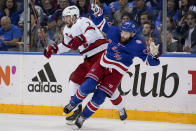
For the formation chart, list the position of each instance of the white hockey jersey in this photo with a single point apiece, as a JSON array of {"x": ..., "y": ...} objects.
[{"x": 95, "y": 40}]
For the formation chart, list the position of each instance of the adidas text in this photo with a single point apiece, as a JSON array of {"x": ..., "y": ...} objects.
[{"x": 48, "y": 87}]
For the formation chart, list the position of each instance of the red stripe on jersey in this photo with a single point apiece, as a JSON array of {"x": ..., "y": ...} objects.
[
  {"x": 99, "y": 12},
  {"x": 91, "y": 106},
  {"x": 94, "y": 45},
  {"x": 79, "y": 95},
  {"x": 89, "y": 28},
  {"x": 117, "y": 101},
  {"x": 92, "y": 76},
  {"x": 106, "y": 90},
  {"x": 100, "y": 25},
  {"x": 65, "y": 44},
  {"x": 113, "y": 63}
]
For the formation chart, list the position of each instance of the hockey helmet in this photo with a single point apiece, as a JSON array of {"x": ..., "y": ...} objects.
[
  {"x": 71, "y": 11},
  {"x": 129, "y": 26}
]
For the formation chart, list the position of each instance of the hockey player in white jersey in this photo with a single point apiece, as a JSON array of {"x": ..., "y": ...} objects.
[{"x": 81, "y": 33}]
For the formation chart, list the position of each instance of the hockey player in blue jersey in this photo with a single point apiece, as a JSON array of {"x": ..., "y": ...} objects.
[
  {"x": 107, "y": 73},
  {"x": 103, "y": 25}
]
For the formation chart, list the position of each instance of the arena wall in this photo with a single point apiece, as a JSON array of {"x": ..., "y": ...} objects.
[{"x": 163, "y": 93}]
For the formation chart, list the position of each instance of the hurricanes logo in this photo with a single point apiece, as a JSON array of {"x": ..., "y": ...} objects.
[{"x": 46, "y": 82}]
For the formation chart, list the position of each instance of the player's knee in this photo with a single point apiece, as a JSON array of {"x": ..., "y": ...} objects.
[
  {"x": 88, "y": 86},
  {"x": 99, "y": 97}
]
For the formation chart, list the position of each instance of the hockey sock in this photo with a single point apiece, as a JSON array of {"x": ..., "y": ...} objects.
[
  {"x": 73, "y": 87},
  {"x": 89, "y": 109},
  {"x": 76, "y": 108},
  {"x": 118, "y": 103},
  {"x": 116, "y": 100},
  {"x": 92, "y": 106},
  {"x": 86, "y": 88}
]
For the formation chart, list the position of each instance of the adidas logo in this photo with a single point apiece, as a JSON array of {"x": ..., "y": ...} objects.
[{"x": 46, "y": 82}]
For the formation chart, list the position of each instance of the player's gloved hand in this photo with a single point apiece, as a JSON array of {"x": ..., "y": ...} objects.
[
  {"x": 97, "y": 11},
  {"x": 52, "y": 49},
  {"x": 154, "y": 50},
  {"x": 76, "y": 42}
]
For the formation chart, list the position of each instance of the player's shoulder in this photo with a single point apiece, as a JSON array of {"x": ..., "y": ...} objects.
[
  {"x": 138, "y": 40},
  {"x": 83, "y": 20}
]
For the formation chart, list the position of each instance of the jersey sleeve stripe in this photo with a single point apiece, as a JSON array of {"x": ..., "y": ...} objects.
[
  {"x": 108, "y": 61},
  {"x": 89, "y": 28}
]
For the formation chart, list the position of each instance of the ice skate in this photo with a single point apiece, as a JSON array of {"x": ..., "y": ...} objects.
[
  {"x": 70, "y": 119},
  {"x": 122, "y": 114},
  {"x": 68, "y": 108},
  {"x": 79, "y": 122}
]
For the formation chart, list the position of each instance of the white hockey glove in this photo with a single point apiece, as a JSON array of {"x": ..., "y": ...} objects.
[
  {"x": 154, "y": 49},
  {"x": 97, "y": 11}
]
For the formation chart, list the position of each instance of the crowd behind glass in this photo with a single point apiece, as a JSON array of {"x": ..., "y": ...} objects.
[{"x": 47, "y": 25}]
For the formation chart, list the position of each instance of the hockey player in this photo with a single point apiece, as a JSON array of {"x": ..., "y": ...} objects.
[
  {"x": 81, "y": 33},
  {"x": 103, "y": 25},
  {"x": 108, "y": 71}
]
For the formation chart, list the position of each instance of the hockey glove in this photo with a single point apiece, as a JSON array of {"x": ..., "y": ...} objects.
[
  {"x": 97, "y": 11},
  {"x": 154, "y": 50},
  {"x": 77, "y": 41},
  {"x": 52, "y": 49}
]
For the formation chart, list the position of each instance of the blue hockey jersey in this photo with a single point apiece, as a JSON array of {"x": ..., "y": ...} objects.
[
  {"x": 120, "y": 56},
  {"x": 102, "y": 24}
]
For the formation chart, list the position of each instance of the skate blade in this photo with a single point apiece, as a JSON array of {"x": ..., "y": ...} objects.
[
  {"x": 123, "y": 122},
  {"x": 70, "y": 122},
  {"x": 74, "y": 127}
]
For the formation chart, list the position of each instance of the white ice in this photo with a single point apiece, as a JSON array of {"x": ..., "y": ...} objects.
[{"x": 17, "y": 122}]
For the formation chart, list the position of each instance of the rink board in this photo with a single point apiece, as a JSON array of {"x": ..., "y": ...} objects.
[{"x": 32, "y": 84}]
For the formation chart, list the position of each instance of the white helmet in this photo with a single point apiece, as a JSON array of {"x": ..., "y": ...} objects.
[{"x": 72, "y": 11}]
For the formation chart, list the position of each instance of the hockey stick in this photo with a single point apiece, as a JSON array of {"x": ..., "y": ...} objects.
[{"x": 36, "y": 19}]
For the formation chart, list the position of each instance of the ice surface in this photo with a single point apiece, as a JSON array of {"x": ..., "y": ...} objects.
[{"x": 18, "y": 122}]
